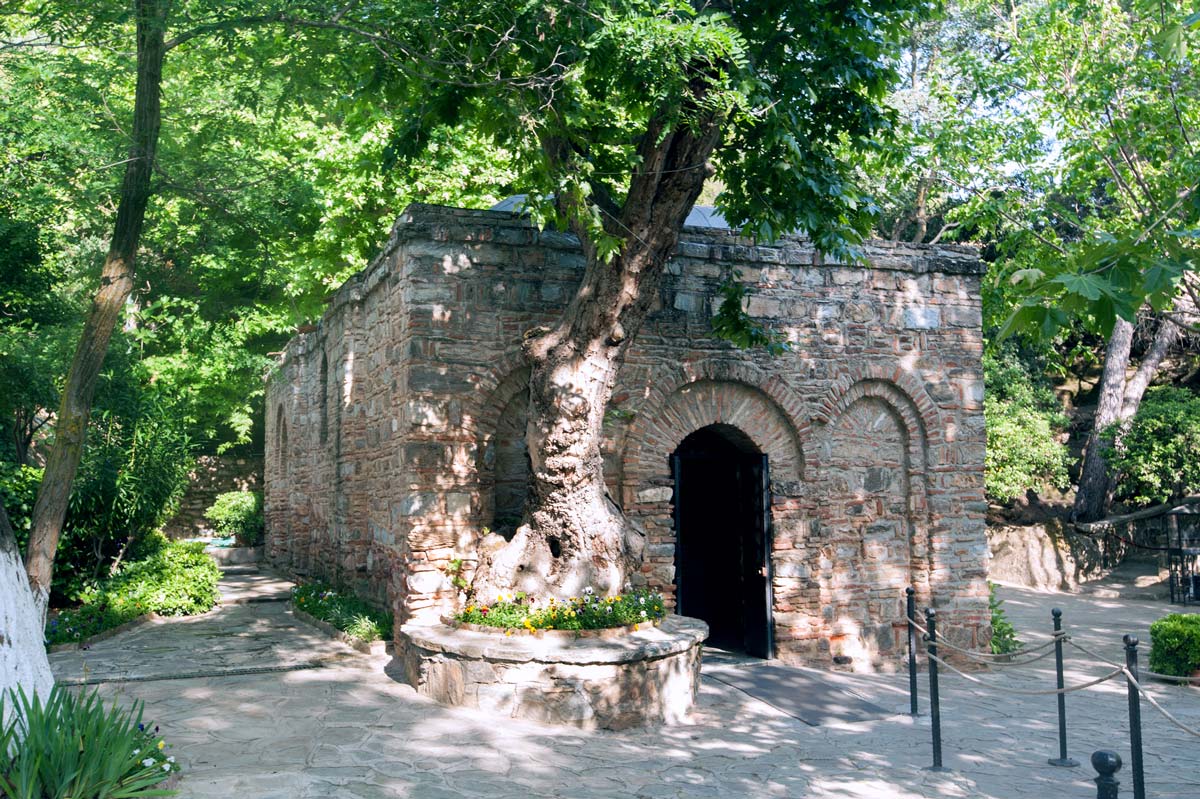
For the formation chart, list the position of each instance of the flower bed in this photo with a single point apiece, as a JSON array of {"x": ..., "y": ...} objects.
[
  {"x": 347, "y": 613},
  {"x": 581, "y": 613}
]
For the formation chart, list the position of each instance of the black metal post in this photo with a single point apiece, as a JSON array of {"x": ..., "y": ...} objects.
[
  {"x": 1107, "y": 764},
  {"x": 1062, "y": 759},
  {"x": 910, "y": 612},
  {"x": 1135, "y": 718},
  {"x": 935, "y": 709}
]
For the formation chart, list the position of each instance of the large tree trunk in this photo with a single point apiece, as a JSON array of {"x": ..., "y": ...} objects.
[
  {"x": 23, "y": 662},
  {"x": 1091, "y": 498},
  {"x": 574, "y": 535},
  {"x": 1120, "y": 396},
  {"x": 116, "y": 283}
]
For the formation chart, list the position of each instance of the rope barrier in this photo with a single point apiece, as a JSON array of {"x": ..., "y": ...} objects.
[
  {"x": 1154, "y": 703},
  {"x": 1022, "y": 692},
  {"x": 1172, "y": 677},
  {"x": 1006, "y": 659}
]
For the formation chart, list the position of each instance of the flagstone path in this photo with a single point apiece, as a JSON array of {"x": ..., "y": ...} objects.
[{"x": 330, "y": 723}]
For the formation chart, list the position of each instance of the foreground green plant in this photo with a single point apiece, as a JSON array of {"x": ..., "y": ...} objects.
[
  {"x": 348, "y": 613},
  {"x": 587, "y": 612},
  {"x": 1004, "y": 635},
  {"x": 1175, "y": 644},
  {"x": 174, "y": 579},
  {"x": 74, "y": 747}
]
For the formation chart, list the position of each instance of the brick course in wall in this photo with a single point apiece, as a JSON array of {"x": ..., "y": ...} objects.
[{"x": 394, "y": 429}]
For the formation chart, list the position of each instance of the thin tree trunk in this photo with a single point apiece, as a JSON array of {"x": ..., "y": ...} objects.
[
  {"x": 574, "y": 535},
  {"x": 1092, "y": 495},
  {"x": 116, "y": 283},
  {"x": 1164, "y": 338},
  {"x": 23, "y": 662}
]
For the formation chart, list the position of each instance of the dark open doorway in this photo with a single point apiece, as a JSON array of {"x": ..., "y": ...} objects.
[{"x": 723, "y": 541}]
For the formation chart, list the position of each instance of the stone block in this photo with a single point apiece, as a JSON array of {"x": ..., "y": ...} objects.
[
  {"x": 922, "y": 318},
  {"x": 655, "y": 494}
]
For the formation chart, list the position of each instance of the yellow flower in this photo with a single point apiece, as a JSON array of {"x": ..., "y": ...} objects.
[
  {"x": 508, "y": 632},
  {"x": 635, "y": 628},
  {"x": 161, "y": 744}
]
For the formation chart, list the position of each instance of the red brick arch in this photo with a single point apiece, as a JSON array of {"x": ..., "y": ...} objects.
[
  {"x": 698, "y": 394},
  {"x": 899, "y": 390},
  {"x": 910, "y": 404}
]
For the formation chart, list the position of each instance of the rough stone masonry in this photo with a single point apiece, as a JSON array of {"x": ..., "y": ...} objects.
[{"x": 394, "y": 429}]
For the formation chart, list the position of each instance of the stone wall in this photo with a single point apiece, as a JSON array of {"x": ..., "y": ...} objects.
[
  {"x": 393, "y": 430},
  {"x": 213, "y": 475}
]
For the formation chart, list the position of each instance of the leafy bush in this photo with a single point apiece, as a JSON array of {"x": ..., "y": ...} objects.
[
  {"x": 348, "y": 613},
  {"x": 1157, "y": 458},
  {"x": 173, "y": 579},
  {"x": 1175, "y": 644},
  {"x": 588, "y": 612},
  {"x": 1004, "y": 635},
  {"x": 73, "y": 746},
  {"x": 1023, "y": 421},
  {"x": 239, "y": 514},
  {"x": 18, "y": 490},
  {"x": 134, "y": 470}
]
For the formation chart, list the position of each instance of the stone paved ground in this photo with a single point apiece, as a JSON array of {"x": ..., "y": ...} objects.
[{"x": 350, "y": 730}]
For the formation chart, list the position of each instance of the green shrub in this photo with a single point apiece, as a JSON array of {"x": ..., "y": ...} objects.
[
  {"x": 174, "y": 579},
  {"x": 1004, "y": 635},
  {"x": 1157, "y": 460},
  {"x": 239, "y": 514},
  {"x": 132, "y": 473},
  {"x": 346, "y": 612},
  {"x": 74, "y": 746},
  {"x": 134, "y": 470},
  {"x": 18, "y": 491},
  {"x": 587, "y": 612},
  {"x": 1175, "y": 644},
  {"x": 1023, "y": 422}
]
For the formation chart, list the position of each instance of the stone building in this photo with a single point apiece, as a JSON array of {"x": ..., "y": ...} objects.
[{"x": 786, "y": 500}]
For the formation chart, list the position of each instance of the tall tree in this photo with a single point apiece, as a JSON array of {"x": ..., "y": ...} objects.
[
  {"x": 108, "y": 304},
  {"x": 620, "y": 110},
  {"x": 1113, "y": 84}
]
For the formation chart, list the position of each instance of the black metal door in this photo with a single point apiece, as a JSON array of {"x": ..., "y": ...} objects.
[
  {"x": 757, "y": 547},
  {"x": 722, "y": 521}
]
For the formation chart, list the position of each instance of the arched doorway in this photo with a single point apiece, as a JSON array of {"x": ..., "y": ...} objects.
[{"x": 723, "y": 538}]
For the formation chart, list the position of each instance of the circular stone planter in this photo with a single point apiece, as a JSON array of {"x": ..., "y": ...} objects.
[{"x": 610, "y": 681}]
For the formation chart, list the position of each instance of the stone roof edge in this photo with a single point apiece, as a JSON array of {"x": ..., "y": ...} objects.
[
  {"x": 420, "y": 220},
  {"x": 417, "y": 216}
]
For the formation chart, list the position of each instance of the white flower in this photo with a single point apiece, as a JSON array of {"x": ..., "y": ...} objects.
[
  {"x": 137, "y": 751},
  {"x": 171, "y": 759},
  {"x": 148, "y": 762},
  {"x": 588, "y": 590},
  {"x": 608, "y": 609},
  {"x": 641, "y": 600},
  {"x": 166, "y": 766},
  {"x": 628, "y": 587},
  {"x": 643, "y": 614}
]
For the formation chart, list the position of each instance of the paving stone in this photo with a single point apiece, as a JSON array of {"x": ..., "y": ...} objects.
[{"x": 349, "y": 730}]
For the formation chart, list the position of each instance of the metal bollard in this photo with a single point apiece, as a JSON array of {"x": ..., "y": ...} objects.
[
  {"x": 910, "y": 605},
  {"x": 1062, "y": 759},
  {"x": 1135, "y": 719},
  {"x": 1107, "y": 764},
  {"x": 935, "y": 708}
]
